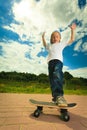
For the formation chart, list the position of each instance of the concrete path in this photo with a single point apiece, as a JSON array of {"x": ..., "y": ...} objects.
[{"x": 16, "y": 113}]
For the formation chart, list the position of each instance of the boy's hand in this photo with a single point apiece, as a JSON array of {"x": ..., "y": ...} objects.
[
  {"x": 73, "y": 26},
  {"x": 43, "y": 35},
  {"x": 43, "y": 39}
]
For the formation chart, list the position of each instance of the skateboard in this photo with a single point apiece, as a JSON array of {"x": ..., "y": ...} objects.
[{"x": 63, "y": 110}]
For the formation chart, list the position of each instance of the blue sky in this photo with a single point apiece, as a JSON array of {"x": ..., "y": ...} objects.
[{"x": 22, "y": 23}]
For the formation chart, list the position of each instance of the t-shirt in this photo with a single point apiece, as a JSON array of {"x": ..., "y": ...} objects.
[{"x": 55, "y": 51}]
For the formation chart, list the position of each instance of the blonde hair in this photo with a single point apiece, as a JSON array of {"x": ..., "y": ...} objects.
[{"x": 53, "y": 34}]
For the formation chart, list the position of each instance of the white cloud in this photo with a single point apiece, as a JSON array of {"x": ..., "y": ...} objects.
[
  {"x": 36, "y": 17},
  {"x": 81, "y": 47},
  {"x": 43, "y": 15},
  {"x": 81, "y": 72},
  {"x": 78, "y": 46},
  {"x": 84, "y": 47},
  {"x": 14, "y": 59}
]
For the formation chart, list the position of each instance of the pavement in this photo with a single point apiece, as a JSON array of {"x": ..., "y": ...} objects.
[{"x": 16, "y": 113}]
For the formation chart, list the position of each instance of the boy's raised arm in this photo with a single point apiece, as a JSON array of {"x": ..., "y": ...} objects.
[
  {"x": 72, "y": 27},
  {"x": 43, "y": 40}
]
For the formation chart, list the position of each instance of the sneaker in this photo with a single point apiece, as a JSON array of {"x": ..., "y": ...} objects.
[
  {"x": 61, "y": 102},
  {"x": 54, "y": 99}
]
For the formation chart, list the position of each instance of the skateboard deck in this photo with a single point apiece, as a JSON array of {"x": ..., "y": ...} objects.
[{"x": 51, "y": 104}]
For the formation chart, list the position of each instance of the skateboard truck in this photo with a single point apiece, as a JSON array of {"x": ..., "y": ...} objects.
[
  {"x": 38, "y": 111},
  {"x": 64, "y": 113}
]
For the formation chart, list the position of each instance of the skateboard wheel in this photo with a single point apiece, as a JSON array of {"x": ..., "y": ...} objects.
[
  {"x": 36, "y": 113},
  {"x": 64, "y": 115},
  {"x": 66, "y": 118}
]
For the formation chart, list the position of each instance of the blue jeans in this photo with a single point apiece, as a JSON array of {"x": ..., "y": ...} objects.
[{"x": 56, "y": 77}]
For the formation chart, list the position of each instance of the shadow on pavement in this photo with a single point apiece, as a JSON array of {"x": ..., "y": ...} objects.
[{"x": 76, "y": 122}]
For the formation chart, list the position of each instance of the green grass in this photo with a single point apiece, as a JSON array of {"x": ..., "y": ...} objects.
[
  {"x": 76, "y": 92},
  {"x": 23, "y": 87},
  {"x": 34, "y": 87}
]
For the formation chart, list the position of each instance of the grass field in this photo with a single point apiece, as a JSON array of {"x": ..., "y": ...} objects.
[{"x": 34, "y": 87}]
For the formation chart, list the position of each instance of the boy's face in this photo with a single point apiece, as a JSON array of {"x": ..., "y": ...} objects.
[{"x": 55, "y": 37}]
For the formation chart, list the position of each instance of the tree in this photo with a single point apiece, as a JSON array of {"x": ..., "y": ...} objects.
[
  {"x": 67, "y": 76},
  {"x": 43, "y": 78}
]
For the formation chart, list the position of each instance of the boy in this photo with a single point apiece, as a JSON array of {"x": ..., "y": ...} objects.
[{"x": 55, "y": 64}]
